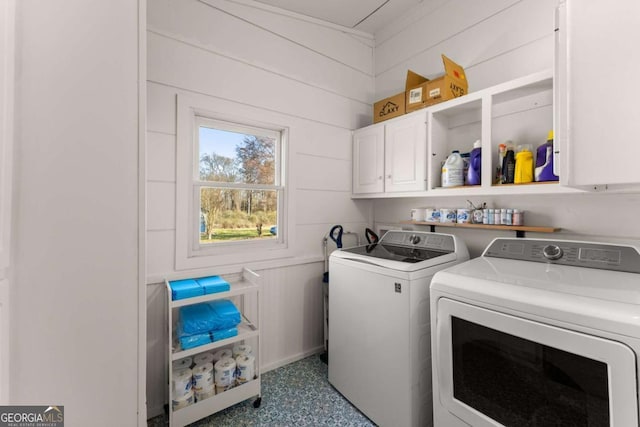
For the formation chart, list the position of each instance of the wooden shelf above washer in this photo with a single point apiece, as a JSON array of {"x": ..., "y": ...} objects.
[{"x": 519, "y": 229}]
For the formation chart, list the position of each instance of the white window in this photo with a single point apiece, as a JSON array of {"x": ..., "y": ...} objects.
[{"x": 230, "y": 189}]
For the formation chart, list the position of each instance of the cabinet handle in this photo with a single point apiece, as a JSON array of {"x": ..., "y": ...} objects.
[
  {"x": 388, "y": 176},
  {"x": 380, "y": 177}
]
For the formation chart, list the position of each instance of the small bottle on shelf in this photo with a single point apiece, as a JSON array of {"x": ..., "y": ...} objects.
[
  {"x": 508, "y": 165},
  {"x": 502, "y": 150},
  {"x": 518, "y": 217}
]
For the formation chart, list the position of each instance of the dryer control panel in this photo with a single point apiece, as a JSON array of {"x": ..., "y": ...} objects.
[{"x": 602, "y": 256}]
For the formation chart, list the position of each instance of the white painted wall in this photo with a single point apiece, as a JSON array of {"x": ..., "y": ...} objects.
[
  {"x": 496, "y": 41},
  {"x": 251, "y": 63},
  {"x": 74, "y": 294}
]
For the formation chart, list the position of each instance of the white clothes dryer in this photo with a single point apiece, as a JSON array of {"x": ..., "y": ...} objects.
[
  {"x": 379, "y": 343},
  {"x": 538, "y": 333}
]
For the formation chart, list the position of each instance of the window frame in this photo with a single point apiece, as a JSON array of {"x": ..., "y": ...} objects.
[
  {"x": 189, "y": 252},
  {"x": 198, "y": 185}
]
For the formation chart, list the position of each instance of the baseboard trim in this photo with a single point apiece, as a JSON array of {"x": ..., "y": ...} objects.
[
  {"x": 292, "y": 359},
  {"x": 155, "y": 411}
]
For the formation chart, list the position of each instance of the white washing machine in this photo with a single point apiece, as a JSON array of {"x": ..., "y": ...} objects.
[
  {"x": 379, "y": 333},
  {"x": 538, "y": 333}
]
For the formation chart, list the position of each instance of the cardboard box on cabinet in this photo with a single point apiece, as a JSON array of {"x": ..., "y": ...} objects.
[
  {"x": 448, "y": 86},
  {"x": 388, "y": 108},
  {"x": 395, "y": 105}
]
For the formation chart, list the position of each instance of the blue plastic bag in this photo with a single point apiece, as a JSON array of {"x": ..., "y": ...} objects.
[{"x": 209, "y": 316}]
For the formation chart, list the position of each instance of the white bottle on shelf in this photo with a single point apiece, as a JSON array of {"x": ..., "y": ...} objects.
[{"x": 453, "y": 170}]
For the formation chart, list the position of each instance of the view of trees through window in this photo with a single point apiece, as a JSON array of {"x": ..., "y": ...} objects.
[{"x": 238, "y": 190}]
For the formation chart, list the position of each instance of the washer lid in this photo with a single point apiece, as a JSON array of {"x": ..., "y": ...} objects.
[
  {"x": 396, "y": 253},
  {"x": 408, "y": 251},
  {"x": 408, "y": 246}
]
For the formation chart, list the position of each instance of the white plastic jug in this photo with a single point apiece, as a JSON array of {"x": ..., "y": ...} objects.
[{"x": 453, "y": 170}]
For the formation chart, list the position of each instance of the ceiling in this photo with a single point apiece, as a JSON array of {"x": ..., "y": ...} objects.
[{"x": 363, "y": 15}]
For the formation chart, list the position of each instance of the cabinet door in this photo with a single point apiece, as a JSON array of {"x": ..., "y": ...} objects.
[
  {"x": 368, "y": 160},
  {"x": 597, "y": 71},
  {"x": 406, "y": 154}
]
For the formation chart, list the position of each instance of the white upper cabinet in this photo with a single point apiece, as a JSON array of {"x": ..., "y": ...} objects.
[
  {"x": 368, "y": 160},
  {"x": 405, "y": 154},
  {"x": 390, "y": 157},
  {"x": 598, "y": 96}
]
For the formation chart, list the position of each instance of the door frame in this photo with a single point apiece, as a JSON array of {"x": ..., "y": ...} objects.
[
  {"x": 142, "y": 215},
  {"x": 7, "y": 97}
]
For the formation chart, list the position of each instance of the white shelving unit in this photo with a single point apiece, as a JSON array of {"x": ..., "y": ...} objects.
[
  {"x": 245, "y": 293},
  {"x": 520, "y": 110}
]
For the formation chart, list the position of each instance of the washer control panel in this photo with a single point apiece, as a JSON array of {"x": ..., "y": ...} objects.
[
  {"x": 602, "y": 256},
  {"x": 419, "y": 240}
]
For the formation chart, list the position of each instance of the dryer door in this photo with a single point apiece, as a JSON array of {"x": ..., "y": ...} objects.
[{"x": 496, "y": 369}]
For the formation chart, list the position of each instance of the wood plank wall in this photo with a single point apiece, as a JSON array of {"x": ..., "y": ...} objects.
[
  {"x": 496, "y": 41},
  {"x": 256, "y": 64}
]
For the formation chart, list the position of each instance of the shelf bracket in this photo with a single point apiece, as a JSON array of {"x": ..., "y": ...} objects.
[
  {"x": 433, "y": 228},
  {"x": 520, "y": 233}
]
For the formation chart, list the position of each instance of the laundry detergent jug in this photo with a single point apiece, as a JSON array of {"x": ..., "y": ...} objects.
[
  {"x": 544, "y": 161},
  {"x": 524, "y": 166},
  {"x": 453, "y": 170},
  {"x": 475, "y": 164}
]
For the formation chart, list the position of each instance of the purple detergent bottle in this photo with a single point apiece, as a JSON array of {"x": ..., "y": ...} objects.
[
  {"x": 475, "y": 163},
  {"x": 544, "y": 161}
]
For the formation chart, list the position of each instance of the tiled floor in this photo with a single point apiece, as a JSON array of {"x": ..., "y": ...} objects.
[{"x": 298, "y": 394}]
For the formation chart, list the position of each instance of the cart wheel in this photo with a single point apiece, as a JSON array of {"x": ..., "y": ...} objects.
[{"x": 257, "y": 402}]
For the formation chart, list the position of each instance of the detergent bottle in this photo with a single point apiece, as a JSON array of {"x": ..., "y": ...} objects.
[
  {"x": 508, "y": 165},
  {"x": 502, "y": 151},
  {"x": 544, "y": 161},
  {"x": 524, "y": 165},
  {"x": 453, "y": 170},
  {"x": 475, "y": 164}
]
